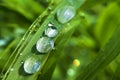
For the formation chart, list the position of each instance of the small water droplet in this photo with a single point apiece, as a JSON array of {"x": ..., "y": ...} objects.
[
  {"x": 65, "y": 14},
  {"x": 44, "y": 45},
  {"x": 34, "y": 26},
  {"x": 2, "y": 42},
  {"x": 31, "y": 65},
  {"x": 37, "y": 27},
  {"x": 50, "y": 24},
  {"x": 21, "y": 54},
  {"x": 50, "y": 8},
  {"x": 50, "y": 32},
  {"x": 11, "y": 69},
  {"x": 23, "y": 39},
  {"x": 21, "y": 62},
  {"x": 68, "y": 24}
]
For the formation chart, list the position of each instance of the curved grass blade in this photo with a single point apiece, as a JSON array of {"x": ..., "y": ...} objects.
[
  {"x": 105, "y": 56},
  {"x": 26, "y": 48}
]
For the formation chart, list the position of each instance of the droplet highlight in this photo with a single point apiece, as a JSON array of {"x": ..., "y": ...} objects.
[
  {"x": 44, "y": 45},
  {"x": 50, "y": 24},
  {"x": 65, "y": 14},
  {"x": 50, "y": 32},
  {"x": 31, "y": 65},
  {"x": 21, "y": 54},
  {"x": 11, "y": 69}
]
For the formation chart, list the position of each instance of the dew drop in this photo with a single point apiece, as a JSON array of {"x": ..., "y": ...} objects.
[
  {"x": 21, "y": 62},
  {"x": 50, "y": 24},
  {"x": 23, "y": 38},
  {"x": 11, "y": 69},
  {"x": 65, "y": 14},
  {"x": 44, "y": 45},
  {"x": 50, "y": 32},
  {"x": 2, "y": 42},
  {"x": 21, "y": 54},
  {"x": 31, "y": 65}
]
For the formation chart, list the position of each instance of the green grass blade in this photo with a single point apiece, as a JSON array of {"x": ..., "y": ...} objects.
[
  {"x": 107, "y": 23},
  {"x": 106, "y": 55},
  {"x": 26, "y": 47},
  {"x": 116, "y": 75}
]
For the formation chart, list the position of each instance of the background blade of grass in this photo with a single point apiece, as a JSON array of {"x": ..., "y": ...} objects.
[
  {"x": 92, "y": 3},
  {"x": 105, "y": 56},
  {"x": 116, "y": 75},
  {"x": 107, "y": 23}
]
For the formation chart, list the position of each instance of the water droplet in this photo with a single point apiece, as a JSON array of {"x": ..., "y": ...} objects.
[
  {"x": 23, "y": 38},
  {"x": 50, "y": 8},
  {"x": 2, "y": 42},
  {"x": 50, "y": 24},
  {"x": 68, "y": 24},
  {"x": 11, "y": 69},
  {"x": 65, "y": 14},
  {"x": 21, "y": 54},
  {"x": 21, "y": 62},
  {"x": 44, "y": 45},
  {"x": 50, "y": 32},
  {"x": 31, "y": 65}
]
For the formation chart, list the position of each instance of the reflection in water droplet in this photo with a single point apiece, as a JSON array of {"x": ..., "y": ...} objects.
[
  {"x": 31, "y": 65},
  {"x": 65, "y": 14},
  {"x": 50, "y": 24},
  {"x": 2, "y": 42},
  {"x": 50, "y": 8},
  {"x": 44, "y": 45},
  {"x": 51, "y": 32}
]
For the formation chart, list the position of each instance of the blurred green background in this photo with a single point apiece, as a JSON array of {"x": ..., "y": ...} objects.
[{"x": 98, "y": 21}]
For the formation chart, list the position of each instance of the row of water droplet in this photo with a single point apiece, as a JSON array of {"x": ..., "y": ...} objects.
[{"x": 46, "y": 43}]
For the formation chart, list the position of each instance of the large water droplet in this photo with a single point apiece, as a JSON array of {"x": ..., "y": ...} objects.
[
  {"x": 31, "y": 65},
  {"x": 65, "y": 14},
  {"x": 44, "y": 45},
  {"x": 50, "y": 32}
]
